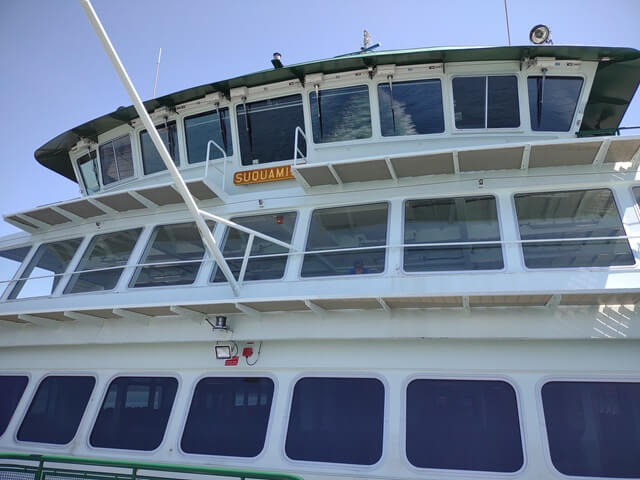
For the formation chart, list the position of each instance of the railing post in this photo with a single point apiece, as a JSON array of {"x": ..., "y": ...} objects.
[{"x": 39, "y": 473}]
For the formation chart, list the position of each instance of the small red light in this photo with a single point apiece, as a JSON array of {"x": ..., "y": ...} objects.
[
  {"x": 279, "y": 220},
  {"x": 247, "y": 352},
  {"x": 232, "y": 362}
]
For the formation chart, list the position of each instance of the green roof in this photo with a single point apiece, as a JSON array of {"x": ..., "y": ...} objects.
[{"x": 614, "y": 85}]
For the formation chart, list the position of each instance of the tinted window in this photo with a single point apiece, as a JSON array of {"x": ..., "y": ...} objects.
[
  {"x": 448, "y": 221},
  {"x": 350, "y": 232},
  {"x": 593, "y": 428},
  {"x": 201, "y": 128},
  {"x": 42, "y": 275},
  {"x": 336, "y": 420},
  {"x": 134, "y": 413},
  {"x": 340, "y": 114},
  {"x": 116, "y": 161},
  {"x": 562, "y": 216},
  {"x": 463, "y": 425},
  {"x": 181, "y": 244},
  {"x": 89, "y": 172},
  {"x": 266, "y": 129},
  {"x": 411, "y": 108},
  {"x": 10, "y": 261},
  {"x": 267, "y": 260},
  {"x": 151, "y": 160},
  {"x": 636, "y": 193},
  {"x": 228, "y": 416},
  {"x": 486, "y": 102},
  {"x": 56, "y": 410},
  {"x": 552, "y": 102},
  {"x": 11, "y": 390},
  {"x": 103, "y": 254}
]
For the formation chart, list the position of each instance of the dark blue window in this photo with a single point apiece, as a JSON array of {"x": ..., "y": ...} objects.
[
  {"x": 151, "y": 159},
  {"x": 593, "y": 428},
  {"x": 134, "y": 413},
  {"x": 552, "y": 102},
  {"x": 463, "y": 425},
  {"x": 56, "y": 410},
  {"x": 411, "y": 108},
  {"x": 339, "y": 114},
  {"x": 201, "y": 128},
  {"x": 336, "y": 420},
  {"x": 11, "y": 390},
  {"x": 228, "y": 416},
  {"x": 486, "y": 102}
]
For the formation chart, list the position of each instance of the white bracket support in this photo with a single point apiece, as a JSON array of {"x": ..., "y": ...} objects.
[
  {"x": 466, "y": 305},
  {"x": 335, "y": 174},
  {"x": 392, "y": 170},
  {"x": 526, "y": 154},
  {"x": 40, "y": 321},
  {"x": 246, "y": 309},
  {"x": 84, "y": 318},
  {"x": 553, "y": 302},
  {"x": 318, "y": 310},
  {"x": 385, "y": 306},
  {"x": 456, "y": 162},
  {"x": 602, "y": 153},
  {"x": 131, "y": 315},
  {"x": 189, "y": 314}
]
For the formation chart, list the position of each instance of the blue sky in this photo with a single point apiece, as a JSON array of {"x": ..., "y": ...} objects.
[{"x": 54, "y": 74}]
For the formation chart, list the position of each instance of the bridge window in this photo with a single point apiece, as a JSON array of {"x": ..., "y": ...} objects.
[
  {"x": 336, "y": 420},
  {"x": 56, "y": 410},
  {"x": 228, "y": 416},
  {"x": 339, "y": 114},
  {"x": 593, "y": 428},
  {"x": 151, "y": 160},
  {"x": 558, "y": 227},
  {"x": 411, "y": 108},
  {"x": 116, "y": 161},
  {"x": 442, "y": 224},
  {"x": 12, "y": 388},
  {"x": 552, "y": 102},
  {"x": 201, "y": 128},
  {"x": 463, "y": 425},
  {"x": 104, "y": 254},
  {"x": 267, "y": 260},
  {"x": 10, "y": 261},
  {"x": 266, "y": 129},
  {"x": 88, "y": 166},
  {"x": 174, "y": 254},
  {"x": 134, "y": 413},
  {"x": 346, "y": 239},
  {"x": 486, "y": 102},
  {"x": 44, "y": 272}
]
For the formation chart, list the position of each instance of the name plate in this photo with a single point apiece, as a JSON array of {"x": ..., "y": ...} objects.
[{"x": 263, "y": 175}]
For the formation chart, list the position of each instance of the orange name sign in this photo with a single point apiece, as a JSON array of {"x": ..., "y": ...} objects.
[{"x": 262, "y": 175}]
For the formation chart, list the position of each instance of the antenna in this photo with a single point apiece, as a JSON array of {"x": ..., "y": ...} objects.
[
  {"x": 366, "y": 41},
  {"x": 506, "y": 15},
  {"x": 155, "y": 81}
]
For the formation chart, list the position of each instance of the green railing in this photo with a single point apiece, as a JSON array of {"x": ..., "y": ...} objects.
[{"x": 35, "y": 467}]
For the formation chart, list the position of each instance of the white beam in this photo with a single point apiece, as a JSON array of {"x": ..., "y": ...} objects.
[
  {"x": 40, "y": 321},
  {"x": 554, "y": 301},
  {"x": 188, "y": 313},
  {"x": 248, "y": 310},
  {"x": 465, "y": 303},
  {"x": 84, "y": 317},
  {"x": 131, "y": 315},
  {"x": 318, "y": 310},
  {"x": 385, "y": 306}
]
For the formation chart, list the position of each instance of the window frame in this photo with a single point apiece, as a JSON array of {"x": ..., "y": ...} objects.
[
  {"x": 452, "y": 110},
  {"x": 340, "y": 467},
  {"x": 35, "y": 386},
  {"x": 7, "y": 288},
  {"x": 462, "y": 377},
  {"x": 178, "y": 148},
  {"x": 189, "y": 113},
  {"x": 184, "y": 415},
  {"x": 134, "y": 160},
  {"x": 20, "y": 409},
  {"x": 501, "y": 241},
  {"x": 585, "y": 91},
  {"x": 533, "y": 190},
  {"x": 78, "y": 171}
]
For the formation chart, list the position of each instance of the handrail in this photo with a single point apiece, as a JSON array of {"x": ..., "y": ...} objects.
[
  {"x": 296, "y": 150},
  {"x": 207, "y": 160},
  {"x": 135, "y": 466}
]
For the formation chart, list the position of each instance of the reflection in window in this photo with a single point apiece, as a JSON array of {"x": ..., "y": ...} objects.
[
  {"x": 56, "y": 410},
  {"x": 463, "y": 425},
  {"x": 181, "y": 244},
  {"x": 486, "y": 102},
  {"x": 336, "y": 420},
  {"x": 340, "y": 114},
  {"x": 567, "y": 215},
  {"x": 267, "y": 260},
  {"x": 201, "y": 128},
  {"x": 11, "y": 390},
  {"x": 552, "y": 102},
  {"x": 44, "y": 272},
  {"x": 103, "y": 254},
  {"x": 452, "y": 220},
  {"x": 354, "y": 230},
  {"x": 10, "y": 261},
  {"x": 411, "y": 108},
  {"x": 266, "y": 129},
  {"x": 135, "y": 413},
  {"x": 151, "y": 160},
  {"x": 593, "y": 428},
  {"x": 228, "y": 416},
  {"x": 88, "y": 166},
  {"x": 116, "y": 161}
]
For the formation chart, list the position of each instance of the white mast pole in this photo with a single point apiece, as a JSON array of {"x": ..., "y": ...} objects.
[
  {"x": 205, "y": 233},
  {"x": 155, "y": 80}
]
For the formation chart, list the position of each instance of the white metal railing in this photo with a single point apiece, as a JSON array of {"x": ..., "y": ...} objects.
[
  {"x": 207, "y": 159},
  {"x": 296, "y": 149}
]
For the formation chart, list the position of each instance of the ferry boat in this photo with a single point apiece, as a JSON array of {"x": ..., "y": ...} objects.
[{"x": 416, "y": 264}]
